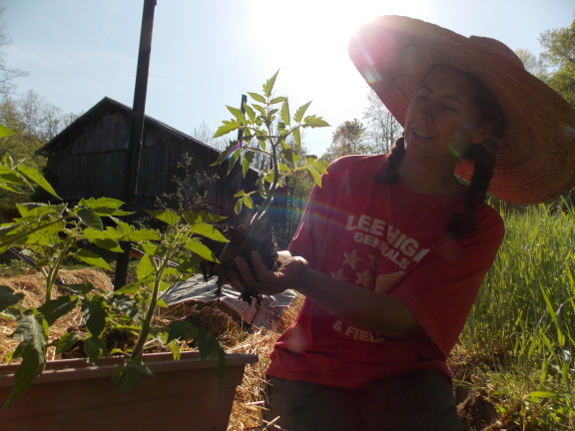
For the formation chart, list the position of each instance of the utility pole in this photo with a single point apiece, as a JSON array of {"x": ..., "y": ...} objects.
[{"x": 136, "y": 132}]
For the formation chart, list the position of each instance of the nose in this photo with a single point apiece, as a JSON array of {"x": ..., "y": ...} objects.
[{"x": 425, "y": 112}]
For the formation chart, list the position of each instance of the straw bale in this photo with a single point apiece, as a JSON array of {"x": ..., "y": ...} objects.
[
  {"x": 33, "y": 286},
  {"x": 250, "y": 403}
]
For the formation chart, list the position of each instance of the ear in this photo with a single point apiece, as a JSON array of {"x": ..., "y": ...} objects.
[{"x": 482, "y": 133}]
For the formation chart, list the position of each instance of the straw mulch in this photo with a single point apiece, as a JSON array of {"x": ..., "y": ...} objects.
[
  {"x": 33, "y": 286},
  {"x": 249, "y": 407}
]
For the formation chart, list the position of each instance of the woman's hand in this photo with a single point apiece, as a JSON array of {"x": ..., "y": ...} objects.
[{"x": 291, "y": 273}]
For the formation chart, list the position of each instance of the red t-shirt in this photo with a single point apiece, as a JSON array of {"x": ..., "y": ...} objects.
[{"x": 387, "y": 238}]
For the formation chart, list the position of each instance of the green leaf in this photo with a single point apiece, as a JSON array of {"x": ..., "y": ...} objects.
[
  {"x": 182, "y": 330},
  {"x": 238, "y": 206},
  {"x": 128, "y": 288},
  {"x": 207, "y": 343},
  {"x": 108, "y": 244},
  {"x": 247, "y": 162},
  {"x": 167, "y": 216},
  {"x": 91, "y": 258},
  {"x": 315, "y": 176},
  {"x": 248, "y": 201},
  {"x": 131, "y": 378},
  {"x": 66, "y": 342},
  {"x": 56, "y": 308},
  {"x": 192, "y": 217},
  {"x": 201, "y": 250},
  {"x": 227, "y": 127},
  {"x": 36, "y": 176},
  {"x": 118, "y": 372},
  {"x": 284, "y": 113},
  {"x": 104, "y": 206},
  {"x": 297, "y": 136},
  {"x": 321, "y": 166},
  {"x": 5, "y": 131},
  {"x": 290, "y": 155},
  {"x": 8, "y": 297},
  {"x": 82, "y": 288},
  {"x": 94, "y": 348},
  {"x": 125, "y": 304},
  {"x": 233, "y": 159},
  {"x": 144, "y": 268},
  {"x": 238, "y": 114},
  {"x": 94, "y": 315},
  {"x": 32, "y": 350},
  {"x": 300, "y": 112},
  {"x": 208, "y": 231},
  {"x": 9, "y": 176},
  {"x": 140, "y": 235},
  {"x": 161, "y": 303},
  {"x": 90, "y": 218},
  {"x": 251, "y": 113},
  {"x": 257, "y": 97},
  {"x": 314, "y": 121},
  {"x": 278, "y": 100},
  {"x": 268, "y": 86}
]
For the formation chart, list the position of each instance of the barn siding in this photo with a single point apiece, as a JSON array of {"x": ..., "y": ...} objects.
[{"x": 89, "y": 160}]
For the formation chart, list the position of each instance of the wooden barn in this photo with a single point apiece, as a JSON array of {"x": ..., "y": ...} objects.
[{"x": 88, "y": 159}]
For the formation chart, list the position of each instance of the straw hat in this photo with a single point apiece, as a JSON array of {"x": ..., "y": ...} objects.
[{"x": 536, "y": 158}]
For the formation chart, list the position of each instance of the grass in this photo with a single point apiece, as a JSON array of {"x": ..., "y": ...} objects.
[{"x": 525, "y": 312}]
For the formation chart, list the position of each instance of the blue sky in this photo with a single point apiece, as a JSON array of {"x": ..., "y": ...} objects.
[{"x": 206, "y": 53}]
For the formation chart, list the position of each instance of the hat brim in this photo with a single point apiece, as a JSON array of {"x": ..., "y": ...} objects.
[{"x": 536, "y": 158}]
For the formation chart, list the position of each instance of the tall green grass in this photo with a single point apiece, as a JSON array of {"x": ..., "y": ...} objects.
[{"x": 526, "y": 310}]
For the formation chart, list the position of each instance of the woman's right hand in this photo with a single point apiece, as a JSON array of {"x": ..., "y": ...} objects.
[{"x": 291, "y": 273}]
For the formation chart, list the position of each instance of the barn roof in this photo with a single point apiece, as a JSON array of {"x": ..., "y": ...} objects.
[{"x": 98, "y": 109}]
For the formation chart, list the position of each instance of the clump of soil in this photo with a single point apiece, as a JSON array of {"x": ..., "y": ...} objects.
[{"x": 258, "y": 236}]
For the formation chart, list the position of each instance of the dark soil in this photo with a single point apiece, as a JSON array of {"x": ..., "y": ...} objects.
[{"x": 258, "y": 236}]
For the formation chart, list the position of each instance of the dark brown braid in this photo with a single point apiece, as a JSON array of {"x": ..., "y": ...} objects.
[
  {"x": 483, "y": 155},
  {"x": 389, "y": 174}
]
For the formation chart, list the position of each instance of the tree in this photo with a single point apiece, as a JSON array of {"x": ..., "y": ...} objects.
[
  {"x": 383, "y": 129},
  {"x": 7, "y": 74},
  {"x": 559, "y": 57},
  {"x": 34, "y": 122},
  {"x": 206, "y": 135},
  {"x": 534, "y": 65},
  {"x": 348, "y": 138}
]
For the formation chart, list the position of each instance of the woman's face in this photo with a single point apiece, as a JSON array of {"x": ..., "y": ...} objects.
[{"x": 443, "y": 118}]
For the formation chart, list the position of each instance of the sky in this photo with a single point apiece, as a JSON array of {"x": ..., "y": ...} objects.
[{"x": 207, "y": 53}]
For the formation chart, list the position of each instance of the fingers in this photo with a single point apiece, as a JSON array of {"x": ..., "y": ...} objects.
[{"x": 244, "y": 270}]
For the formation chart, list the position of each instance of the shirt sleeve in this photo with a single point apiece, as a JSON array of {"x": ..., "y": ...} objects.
[{"x": 441, "y": 290}]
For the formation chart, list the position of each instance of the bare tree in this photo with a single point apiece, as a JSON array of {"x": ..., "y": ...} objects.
[
  {"x": 206, "y": 135},
  {"x": 7, "y": 74},
  {"x": 382, "y": 128}
]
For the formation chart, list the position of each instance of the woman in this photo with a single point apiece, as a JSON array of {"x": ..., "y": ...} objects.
[{"x": 392, "y": 249}]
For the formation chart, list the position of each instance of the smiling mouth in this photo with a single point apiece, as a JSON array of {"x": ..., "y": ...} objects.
[{"x": 420, "y": 134}]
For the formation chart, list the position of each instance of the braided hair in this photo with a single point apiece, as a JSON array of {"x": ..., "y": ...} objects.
[{"x": 483, "y": 156}]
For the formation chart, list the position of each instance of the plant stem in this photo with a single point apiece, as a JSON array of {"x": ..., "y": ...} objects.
[
  {"x": 53, "y": 273},
  {"x": 146, "y": 326}
]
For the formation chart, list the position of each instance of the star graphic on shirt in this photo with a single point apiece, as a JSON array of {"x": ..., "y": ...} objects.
[
  {"x": 364, "y": 278},
  {"x": 339, "y": 275},
  {"x": 351, "y": 259}
]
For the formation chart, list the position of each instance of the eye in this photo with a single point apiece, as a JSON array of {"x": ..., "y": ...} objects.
[{"x": 449, "y": 108}]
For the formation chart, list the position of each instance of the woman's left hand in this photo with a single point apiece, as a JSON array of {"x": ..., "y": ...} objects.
[{"x": 291, "y": 273}]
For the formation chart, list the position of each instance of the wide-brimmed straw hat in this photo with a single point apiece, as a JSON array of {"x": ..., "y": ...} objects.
[{"x": 536, "y": 158}]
